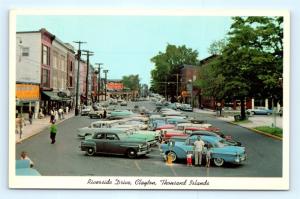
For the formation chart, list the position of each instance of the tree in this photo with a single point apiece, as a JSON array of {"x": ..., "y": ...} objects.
[
  {"x": 167, "y": 65},
  {"x": 132, "y": 82},
  {"x": 250, "y": 62}
]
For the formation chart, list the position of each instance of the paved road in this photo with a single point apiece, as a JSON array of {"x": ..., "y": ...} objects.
[{"x": 64, "y": 158}]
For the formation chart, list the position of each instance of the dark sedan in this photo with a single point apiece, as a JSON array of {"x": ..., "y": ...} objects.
[{"x": 111, "y": 141}]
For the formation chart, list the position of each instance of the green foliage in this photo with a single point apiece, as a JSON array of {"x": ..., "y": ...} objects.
[
  {"x": 249, "y": 61},
  {"x": 270, "y": 130},
  {"x": 132, "y": 82},
  {"x": 167, "y": 65}
]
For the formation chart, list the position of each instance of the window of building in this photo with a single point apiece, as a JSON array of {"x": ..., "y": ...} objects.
[
  {"x": 45, "y": 78},
  {"x": 71, "y": 66},
  {"x": 25, "y": 51},
  {"x": 45, "y": 55},
  {"x": 71, "y": 81}
]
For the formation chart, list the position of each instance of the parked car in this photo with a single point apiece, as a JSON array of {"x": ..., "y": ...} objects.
[
  {"x": 112, "y": 141},
  {"x": 85, "y": 110},
  {"x": 95, "y": 126},
  {"x": 220, "y": 152},
  {"x": 99, "y": 113},
  {"x": 123, "y": 103},
  {"x": 259, "y": 111},
  {"x": 186, "y": 107},
  {"x": 23, "y": 169}
]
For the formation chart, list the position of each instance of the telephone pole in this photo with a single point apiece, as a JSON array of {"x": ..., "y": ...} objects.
[
  {"x": 88, "y": 54},
  {"x": 77, "y": 83},
  {"x": 105, "y": 72},
  {"x": 99, "y": 79}
]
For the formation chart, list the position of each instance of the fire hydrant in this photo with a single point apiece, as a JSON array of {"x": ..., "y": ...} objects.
[
  {"x": 169, "y": 158},
  {"x": 189, "y": 159}
]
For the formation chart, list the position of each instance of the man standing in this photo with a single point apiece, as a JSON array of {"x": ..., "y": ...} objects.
[
  {"x": 199, "y": 145},
  {"x": 53, "y": 131},
  {"x": 30, "y": 116}
]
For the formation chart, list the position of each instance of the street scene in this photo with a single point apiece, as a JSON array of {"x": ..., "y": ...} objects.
[{"x": 149, "y": 104}]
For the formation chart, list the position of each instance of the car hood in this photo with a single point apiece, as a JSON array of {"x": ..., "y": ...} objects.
[{"x": 141, "y": 137}]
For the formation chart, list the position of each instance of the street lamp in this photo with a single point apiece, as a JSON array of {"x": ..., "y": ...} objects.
[
  {"x": 105, "y": 72},
  {"x": 99, "y": 79}
]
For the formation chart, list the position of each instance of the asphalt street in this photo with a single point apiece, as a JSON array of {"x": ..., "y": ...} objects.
[{"x": 64, "y": 158}]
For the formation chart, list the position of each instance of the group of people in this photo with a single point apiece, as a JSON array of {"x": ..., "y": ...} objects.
[
  {"x": 59, "y": 114},
  {"x": 199, "y": 150}
]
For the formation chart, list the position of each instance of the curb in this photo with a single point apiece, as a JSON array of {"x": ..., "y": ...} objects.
[
  {"x": 20, "y": 141},
  {"x": 257, "y": 131}
]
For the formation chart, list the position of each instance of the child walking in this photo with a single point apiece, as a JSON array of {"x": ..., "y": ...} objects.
[
  {"x": 208, "y": 157},
  {"x": 53, "y": 131}
]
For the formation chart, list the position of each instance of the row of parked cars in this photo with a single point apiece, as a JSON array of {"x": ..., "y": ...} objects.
[{"x": 134, "y": 135}]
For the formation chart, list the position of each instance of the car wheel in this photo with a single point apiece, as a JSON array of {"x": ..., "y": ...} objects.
[
  {"x": 269, "y": 113},
  {"x": 218, "y": 162},
  {"x": 131, "y": 153},
  {"x": 173, "y": 156},
  {"x": 90, "y": 151},
  {"x": 100, "y": 116}
]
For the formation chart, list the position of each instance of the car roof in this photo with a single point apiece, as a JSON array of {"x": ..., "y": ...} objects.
[{"x": 110, "y": 130}]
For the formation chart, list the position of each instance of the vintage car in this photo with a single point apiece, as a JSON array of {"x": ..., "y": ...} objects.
[
  {"x": 138, "y": 124},
  {"x": 97, "y": 114},
  {"x": 259, "y": 111},
  {"x": 94, "y": 126},
  {"x": 176, "y": 120},
  {"x": 167, "y": 134},
  {"x": 85, "y": 110},
  {"x": 221, "y": 152},
  {"x": 23, "y": 169},
  {"x": 123, "y": 103},
  {"x": 112, "y": 141},
  {"x": 121, "y": 113},
  {"x": 186, "y": 107}
]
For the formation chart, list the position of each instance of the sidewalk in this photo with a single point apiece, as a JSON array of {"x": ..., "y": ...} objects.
[
  {"x": 37, "y": 126},
  {"x": 254, "y": 121}
]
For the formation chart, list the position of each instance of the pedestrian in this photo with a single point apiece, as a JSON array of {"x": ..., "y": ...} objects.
[
  {"x": 55, "y": 115},
  {"x": 104, "y": 113},
  {"x": 67, "y": 110},
  {"x": 53, "y": 131},
  {"x": 24, "y": 156},
  {"x": 208, "y": 156},
  {"x": 30, "y": 116},
  {"x": 198, "y": 148},
  {"x": 60, "y": 113}
]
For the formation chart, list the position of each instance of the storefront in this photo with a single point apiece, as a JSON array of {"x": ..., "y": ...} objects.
[
  {"x": 54, "y": 100},
  {"x": 27, "y": 98}
]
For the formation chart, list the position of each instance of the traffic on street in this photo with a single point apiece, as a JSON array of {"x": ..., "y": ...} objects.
[{"x": 120, "y": 145}]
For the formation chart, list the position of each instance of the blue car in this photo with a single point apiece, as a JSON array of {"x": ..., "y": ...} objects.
[
  {"x": 259, "y": 111},
  {"x": 23, "y": 169},
  {"x": 221, "y": 151}
]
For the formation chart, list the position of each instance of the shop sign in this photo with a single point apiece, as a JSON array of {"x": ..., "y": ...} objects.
[{"x": 27, "y": 92}]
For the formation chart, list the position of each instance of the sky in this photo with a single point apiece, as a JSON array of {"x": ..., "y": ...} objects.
[{"x": 125, "y": 44}]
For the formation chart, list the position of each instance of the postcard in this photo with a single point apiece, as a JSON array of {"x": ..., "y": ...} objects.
[{"x": 149, "y": 99}]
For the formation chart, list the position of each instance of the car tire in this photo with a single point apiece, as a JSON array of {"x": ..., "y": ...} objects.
[
  {"x": 269, "y": 113},
  {"x": 90, "y": 151},
  {"x": 173, "y": 154},
  {"x": 218, "y": 162},
  {"x": 131, "y": 153}
]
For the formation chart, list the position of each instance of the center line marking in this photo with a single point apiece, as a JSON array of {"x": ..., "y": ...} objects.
[{"x": 137, "y": 165}]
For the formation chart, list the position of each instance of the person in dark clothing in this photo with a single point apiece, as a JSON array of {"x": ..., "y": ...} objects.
[
  {"x": 30, "y": 116},
  {"x": 53, "y": 131},
  {"x": 104, "y": 113}
]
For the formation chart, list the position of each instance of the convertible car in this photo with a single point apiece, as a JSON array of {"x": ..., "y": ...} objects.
[{"x": 221, "y": 152}]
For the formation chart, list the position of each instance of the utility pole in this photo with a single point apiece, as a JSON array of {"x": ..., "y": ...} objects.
[
  {"x": 99, "y": 79},
  {"x": 88, "y": 54},
  {"x": 77, "y": 83},
  {"x": 105, "y": 72}
]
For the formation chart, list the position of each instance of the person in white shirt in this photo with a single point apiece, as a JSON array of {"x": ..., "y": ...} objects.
[
  {"x": 198, "y": 148},
  {"x": 25, "y": 157}
]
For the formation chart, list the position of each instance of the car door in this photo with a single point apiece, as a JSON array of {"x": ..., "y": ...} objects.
[
  {"x": 112, "y": 144},
  {"x": 100, "y": 140}
]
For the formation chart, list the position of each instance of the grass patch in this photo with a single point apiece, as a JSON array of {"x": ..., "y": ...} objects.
[{"x": 270, "y": 130}]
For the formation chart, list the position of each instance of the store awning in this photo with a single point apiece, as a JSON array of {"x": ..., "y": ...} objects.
[{"x": 54, "y": 96}]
